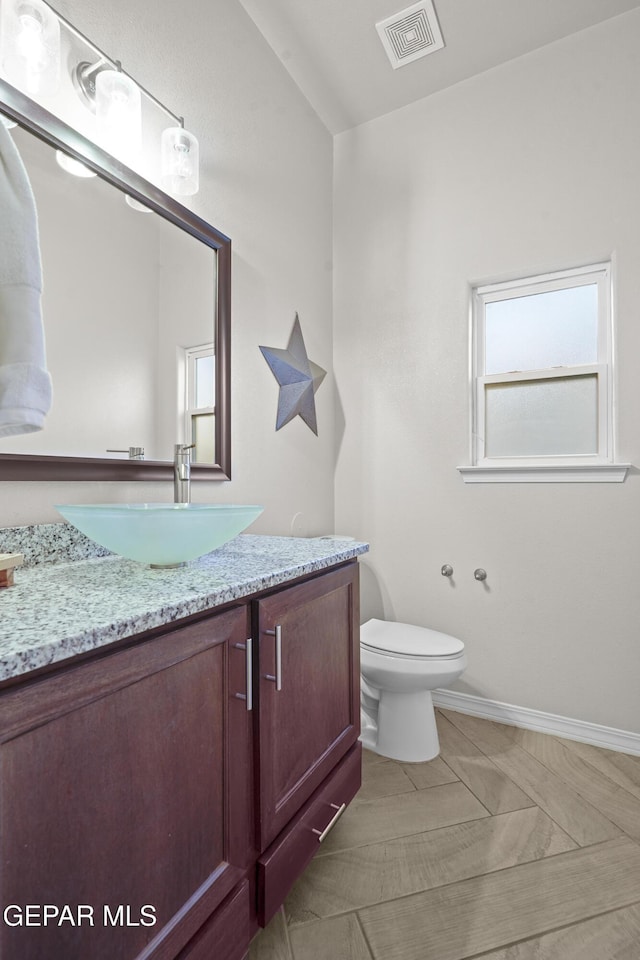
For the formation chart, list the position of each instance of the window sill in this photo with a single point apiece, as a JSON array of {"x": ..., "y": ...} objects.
[{"x": 575, "y": 473}]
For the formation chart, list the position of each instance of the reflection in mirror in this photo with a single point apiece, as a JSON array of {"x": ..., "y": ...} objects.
[
  {"x": 127, "y": 298},
  {"x": 136, "y": 309}
]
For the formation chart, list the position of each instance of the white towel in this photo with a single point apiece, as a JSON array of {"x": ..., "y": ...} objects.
[{"x": 25, "y": 385}]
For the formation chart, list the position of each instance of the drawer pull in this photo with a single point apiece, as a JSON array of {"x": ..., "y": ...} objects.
[
  {"x": 321, "y": 834},
  {"x": 277, "y": 633},
  {"x": 249, "y": 673}
]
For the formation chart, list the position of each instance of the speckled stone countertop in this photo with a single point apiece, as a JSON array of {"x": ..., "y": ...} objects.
[{"x": 58, "y": 610}]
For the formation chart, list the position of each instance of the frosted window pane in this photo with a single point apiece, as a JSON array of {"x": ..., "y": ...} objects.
[
  {"x": 202, "y": 435},
  {"x": 537, "y": 418},
  {"x": 553, "y": 329},
  {"x": 204, "y": 381}
]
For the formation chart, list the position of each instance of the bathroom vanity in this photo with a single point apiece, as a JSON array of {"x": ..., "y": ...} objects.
[{"x": 174, "y": 745}]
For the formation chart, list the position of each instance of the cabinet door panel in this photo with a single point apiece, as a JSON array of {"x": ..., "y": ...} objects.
[
  {"x": 310, "y": 723},
  {"x": 125, "y": 800}
]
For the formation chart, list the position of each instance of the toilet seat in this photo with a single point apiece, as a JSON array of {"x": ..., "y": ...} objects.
[{"x": 406, "y": 640}]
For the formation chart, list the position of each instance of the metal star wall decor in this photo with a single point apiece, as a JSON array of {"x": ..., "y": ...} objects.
[{"x": 298, "y": 379}]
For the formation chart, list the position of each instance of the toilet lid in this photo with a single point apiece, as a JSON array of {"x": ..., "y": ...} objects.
[{"x": 406, "y": 639}]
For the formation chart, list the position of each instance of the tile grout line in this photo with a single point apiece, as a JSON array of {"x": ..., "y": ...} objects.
[
  {"x": 552, "y": 773},
  {"x": 617, "y": 787},
  {"x": 490, "y": 760},
  {"x": 419, "y": 833},
  {"x": 287, "y": 938},
  {"x": 474, "y": 794},
  {"x": 478, "y": 876},
  {"x": 364, "y": 934},
  {"x": 544, "y": 933},
  {"x": 541, "y": 933}
]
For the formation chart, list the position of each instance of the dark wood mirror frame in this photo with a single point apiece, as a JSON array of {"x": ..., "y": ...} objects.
[{"x": 58, "y": 134}]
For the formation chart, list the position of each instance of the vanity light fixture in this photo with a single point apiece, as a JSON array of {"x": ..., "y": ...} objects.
[
  {"x": 31, "y": 34},
  {"x": 116, "y": 99},
  {"x": 30, "y": 45}
]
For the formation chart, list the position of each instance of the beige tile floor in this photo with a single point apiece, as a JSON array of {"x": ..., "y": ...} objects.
[{"x": 512, "y": 845}]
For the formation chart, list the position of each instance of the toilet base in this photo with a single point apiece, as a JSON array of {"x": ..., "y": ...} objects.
[{"x": 404, "y": 728}]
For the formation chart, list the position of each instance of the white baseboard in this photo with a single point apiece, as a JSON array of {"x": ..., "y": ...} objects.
[{"x": 622, "y": 740}]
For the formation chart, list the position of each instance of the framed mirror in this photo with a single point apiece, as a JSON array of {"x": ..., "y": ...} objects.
[{"x": 136, "y": 307}]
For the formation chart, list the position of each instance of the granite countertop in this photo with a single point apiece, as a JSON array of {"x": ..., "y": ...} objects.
[{"x": 56, "y": 611}]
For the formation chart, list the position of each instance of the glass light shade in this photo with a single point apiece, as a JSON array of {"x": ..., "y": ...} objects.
[
  {"x": 30, "y": 46},
  {"x": 71, "y": 165},
  {"x": 180, "y": 162},
  {"x": 119, "y": 115}
]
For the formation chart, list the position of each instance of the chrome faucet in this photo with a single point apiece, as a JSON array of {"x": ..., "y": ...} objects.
[{"x": 182, "y": 472}]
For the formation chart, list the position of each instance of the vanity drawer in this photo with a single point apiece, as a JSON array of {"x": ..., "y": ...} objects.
[{"x": 283, "y": 862}]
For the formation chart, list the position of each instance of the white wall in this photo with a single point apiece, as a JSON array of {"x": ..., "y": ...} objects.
[
  {"x": 530, "y": 167},
  {"x": 266, "y": 181}
]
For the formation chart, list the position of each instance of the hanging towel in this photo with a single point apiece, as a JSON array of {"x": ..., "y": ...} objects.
[{"x": 25, "y": 385}]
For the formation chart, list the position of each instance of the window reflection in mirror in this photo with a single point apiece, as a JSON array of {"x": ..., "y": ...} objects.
[{"x": 199, "y": 372}]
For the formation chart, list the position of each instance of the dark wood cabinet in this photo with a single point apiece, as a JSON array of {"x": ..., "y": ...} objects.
[
  {"x": 124, "y": 787},
  {"x": 158, "y": 801},
  {"x": 309, "y": 715}
]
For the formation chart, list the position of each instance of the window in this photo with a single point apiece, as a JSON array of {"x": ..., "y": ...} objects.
[
  {"x": 542, "y": 379},
  {"x": 199, "y": 404}
]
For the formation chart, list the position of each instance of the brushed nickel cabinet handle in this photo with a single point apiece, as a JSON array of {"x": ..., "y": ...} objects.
[
  {"x": 321, "y": 834},
  {"x": 249, "y": 669},
  {"x": 248, "y": 696},
  {"x": 277, "y": 633}
]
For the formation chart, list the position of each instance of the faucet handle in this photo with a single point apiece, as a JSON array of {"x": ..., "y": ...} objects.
[
  {"x": 135, "y": 453},
  {"x": 183, "y": 447}
]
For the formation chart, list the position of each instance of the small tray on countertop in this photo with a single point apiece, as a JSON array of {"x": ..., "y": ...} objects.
[{"x": 8, "y": 563}]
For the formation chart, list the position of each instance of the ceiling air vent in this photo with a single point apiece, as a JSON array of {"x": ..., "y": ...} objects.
[{"x": 411, "y": 34}]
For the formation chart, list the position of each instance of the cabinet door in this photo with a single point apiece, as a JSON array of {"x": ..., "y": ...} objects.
[
  {"x": 124, "y": 797},
  {"x": 309, "y": 691}
]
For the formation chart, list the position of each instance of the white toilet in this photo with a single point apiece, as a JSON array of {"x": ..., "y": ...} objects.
[{"x": 401, "y": 664}]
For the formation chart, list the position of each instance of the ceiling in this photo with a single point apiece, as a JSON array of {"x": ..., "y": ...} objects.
[{"x": 333, "y": 52}]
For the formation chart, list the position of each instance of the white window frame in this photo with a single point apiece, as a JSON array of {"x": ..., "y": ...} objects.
[
  {"x": 572, "y": 467},
  {"x": 191, "y": 354}
]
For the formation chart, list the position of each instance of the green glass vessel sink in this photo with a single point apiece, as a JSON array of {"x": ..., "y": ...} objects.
[{"x": 161, "y": 534}]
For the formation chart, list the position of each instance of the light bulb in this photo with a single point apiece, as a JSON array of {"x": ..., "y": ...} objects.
[
  {"x": 30, "y": 45},
  {"x": 29, "y": 42},
  {"x": 119, "y": 115},
  {"x": 180, "y": 162}
]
